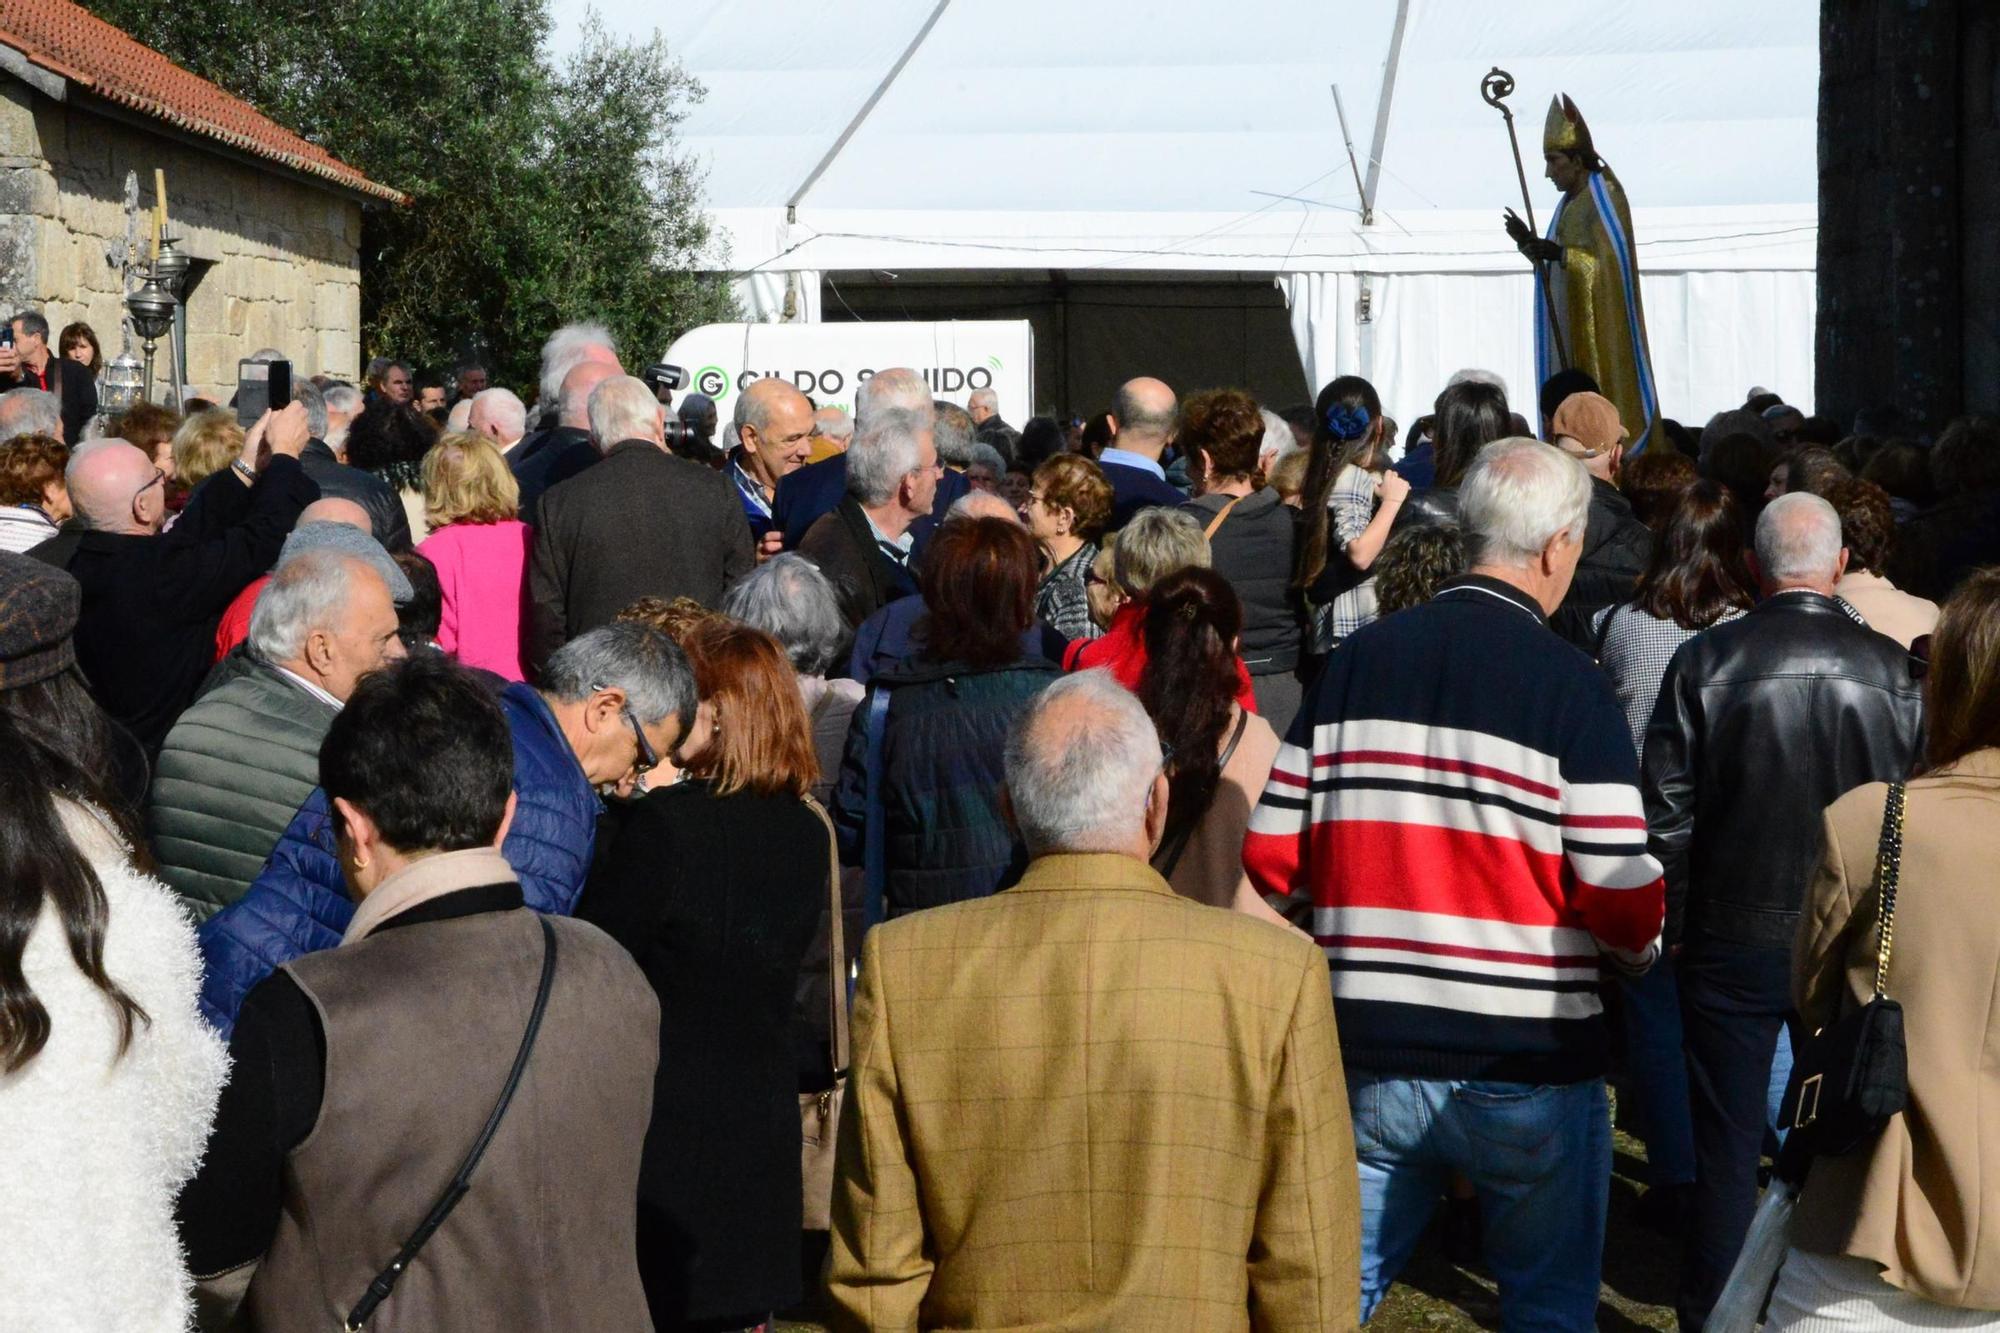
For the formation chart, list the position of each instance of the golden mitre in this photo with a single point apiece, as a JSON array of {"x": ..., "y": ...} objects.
[{"x": 1564, "y": 131}]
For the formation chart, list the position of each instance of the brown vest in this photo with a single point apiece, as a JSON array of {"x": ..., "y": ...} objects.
[{"x": 422, "y": 1024}]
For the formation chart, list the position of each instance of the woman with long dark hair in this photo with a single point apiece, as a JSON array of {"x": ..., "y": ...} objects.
[
  {"x": 1470, "y": 415},
  {"x": 1699, "y": 576},
  {"x": 1221, "y": 755},
  {"x": 108, "y": 1076},
  {"x": 1904, "y": 1232}
]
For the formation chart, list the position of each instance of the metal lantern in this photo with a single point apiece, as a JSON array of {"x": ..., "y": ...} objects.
[
  {"x": 170, "y": 266},
  {"x": 152, "y": 310},
  {"x": 124, "y": 383}
]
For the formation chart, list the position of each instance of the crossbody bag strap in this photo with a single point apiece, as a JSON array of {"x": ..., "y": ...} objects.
[
  {"x": 836, "y": 965},
  {"x": 1604, "y": 630},
  {"x": 1220, "y": 514},
  {"x": 1172, "y": 854},
  {"x": 385, "y": 1281},
  {"x": 1888, "y": 873},
  {"x": 874, "y": 867}
]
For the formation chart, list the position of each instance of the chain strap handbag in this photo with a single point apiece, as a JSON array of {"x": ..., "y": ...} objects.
[
  {"x": 819, "y": 1112},
  {"x": 1852, "y": 1076}
]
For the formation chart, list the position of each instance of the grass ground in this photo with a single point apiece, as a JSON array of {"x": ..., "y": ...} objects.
[{"x": 1437, "y": 1296}]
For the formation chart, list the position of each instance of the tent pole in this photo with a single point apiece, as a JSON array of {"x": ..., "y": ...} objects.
[
  {"x": 1382, "y": 109},
  {"x": 866, "y": 107}
]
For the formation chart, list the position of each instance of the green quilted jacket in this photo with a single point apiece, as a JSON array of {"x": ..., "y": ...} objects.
[{"x": 235, "y": 768}]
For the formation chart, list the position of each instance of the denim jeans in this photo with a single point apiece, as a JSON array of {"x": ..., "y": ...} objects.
[
  {"x": 1659, "y": 1076},
  {"x": 1540, "y": 1158},
  {"x": 1734, "y": 1002}
]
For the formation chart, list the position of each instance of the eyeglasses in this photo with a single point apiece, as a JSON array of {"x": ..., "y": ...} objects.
[
  {"x": 159, "y": 477},
  {"x": 1034, "y": 498},
  {"x": 649, "y": 758}
]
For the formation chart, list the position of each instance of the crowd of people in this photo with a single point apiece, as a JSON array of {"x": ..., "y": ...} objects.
[{"x": 469, "y": 862}]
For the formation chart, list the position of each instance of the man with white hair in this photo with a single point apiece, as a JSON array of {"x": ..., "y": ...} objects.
[
  {"x": 387, "y": 519},
  {"x": 566, "y": 349},
  {"x": 1762, "y": 722},
  {"x": 343, "y": 403},
  {"x": 29, "y": 412},
  {"x": 833, "y": 431},
  {"x": 150, "y": 602},
  {"x": 570, "y": 447},
  {"x": 864, "y": 545},
  {"x": 1456, "y": 810},
  {"x": 641, "y": 523},
  {"x": 328, "y": 523},
  {"x": 988, "y": 426},
  {"x": 1093, "y": 994},
  {"x": 500, "y": 416},
  {"x": 812, "y": 492},
  {"x": 246, "y": 755}
]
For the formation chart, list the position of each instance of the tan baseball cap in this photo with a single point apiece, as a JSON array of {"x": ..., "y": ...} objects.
[{"x": 1590, "y": 422}]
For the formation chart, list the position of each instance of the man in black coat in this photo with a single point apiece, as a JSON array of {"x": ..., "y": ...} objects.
[
  {"x": 32, "y": 364},
  {"x": 1616, "y": 545},
  {"x": 639, "y": 523},
  {"x": 1761, "y": 723},
  {"x": 864, "y": 547},
  {"x": 388, "y": 521},
  {"x": 541, "y": 463},
  {"x": 150, "y": 602}
]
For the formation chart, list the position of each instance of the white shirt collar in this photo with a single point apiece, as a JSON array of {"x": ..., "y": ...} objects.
[{"x": 306, "y": 685}]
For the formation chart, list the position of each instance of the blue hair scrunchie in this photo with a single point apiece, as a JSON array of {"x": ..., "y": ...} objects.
[{"x": 1347, "y": 423}]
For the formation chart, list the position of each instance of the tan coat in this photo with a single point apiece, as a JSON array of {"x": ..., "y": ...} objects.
[
  {"x": 1089, "y": 1103},
  {"x": 1886, "y": 608},
  {"x": 1922, "y": 1201}
]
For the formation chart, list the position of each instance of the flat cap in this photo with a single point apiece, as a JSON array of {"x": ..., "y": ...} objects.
[{"x": 39, "y": 605}]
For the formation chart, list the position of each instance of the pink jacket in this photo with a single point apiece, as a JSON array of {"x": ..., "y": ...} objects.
[{"x": 483, "y": 569}]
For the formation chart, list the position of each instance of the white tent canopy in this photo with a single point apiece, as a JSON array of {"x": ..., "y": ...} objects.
[{"x": 902, "y": 137}]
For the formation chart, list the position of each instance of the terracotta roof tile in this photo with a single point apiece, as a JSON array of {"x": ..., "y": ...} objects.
[{"x": 68, "y": 40}]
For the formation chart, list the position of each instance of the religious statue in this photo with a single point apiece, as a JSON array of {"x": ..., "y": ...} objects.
[{"x": 1587, "y": 311}]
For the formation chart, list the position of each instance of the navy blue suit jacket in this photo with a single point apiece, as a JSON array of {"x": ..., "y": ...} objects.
[
  {"x": 1133, "y": 489},
  {"x": 814, "y": 491}
]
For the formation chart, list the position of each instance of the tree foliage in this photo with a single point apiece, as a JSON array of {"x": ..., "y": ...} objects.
[{"x": 540, "y": 192}]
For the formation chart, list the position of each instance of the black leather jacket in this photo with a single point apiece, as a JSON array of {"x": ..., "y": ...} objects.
[{"x": 1762, "y": 723}]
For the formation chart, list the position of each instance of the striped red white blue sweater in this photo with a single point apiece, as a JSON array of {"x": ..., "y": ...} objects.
[{"x": 1458, "y": 801}]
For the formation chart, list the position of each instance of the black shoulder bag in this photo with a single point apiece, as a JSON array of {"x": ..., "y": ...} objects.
[
  {"x": 385, "y": 1281},
  {"x": 1852, "y": 1076}
]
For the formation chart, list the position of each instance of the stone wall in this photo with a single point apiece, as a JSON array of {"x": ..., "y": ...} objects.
[{"x": 282, "y": 267}]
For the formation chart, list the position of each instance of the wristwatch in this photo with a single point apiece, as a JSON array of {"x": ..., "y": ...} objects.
[{"x": 245, "y": 471}]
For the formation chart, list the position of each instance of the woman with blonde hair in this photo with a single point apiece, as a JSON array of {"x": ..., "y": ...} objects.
[
  {"x": 205, "y": 443},
  {"x": 716, "y": 885},
  {"x": 480, "y": 548}
]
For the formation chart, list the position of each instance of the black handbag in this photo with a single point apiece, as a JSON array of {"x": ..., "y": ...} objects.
[{"x": 1853, "y": 1075}]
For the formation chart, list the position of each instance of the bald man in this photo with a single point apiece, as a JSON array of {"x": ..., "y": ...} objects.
[
  {"x": 772, "y": 433},
  {"x": 234, "y": 626},
  {"x": 1144, "y": 415},
  {"x": 808, "y": 494},
  {"x": 568, "y": 449},
  {"x": 891, "y": 633},
  {"x": 150, "y": 602}
]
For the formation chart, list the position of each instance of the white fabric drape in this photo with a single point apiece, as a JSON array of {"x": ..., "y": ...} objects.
[
  {"x": 1713, "y": 334},
  {"x": 779, "y": 296}
]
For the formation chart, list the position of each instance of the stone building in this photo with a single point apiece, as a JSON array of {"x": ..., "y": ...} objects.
[{"x": 272, "y": 222}]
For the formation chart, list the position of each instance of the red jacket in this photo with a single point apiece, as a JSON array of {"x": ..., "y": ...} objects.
[{"x": 1123, "y": 650}]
